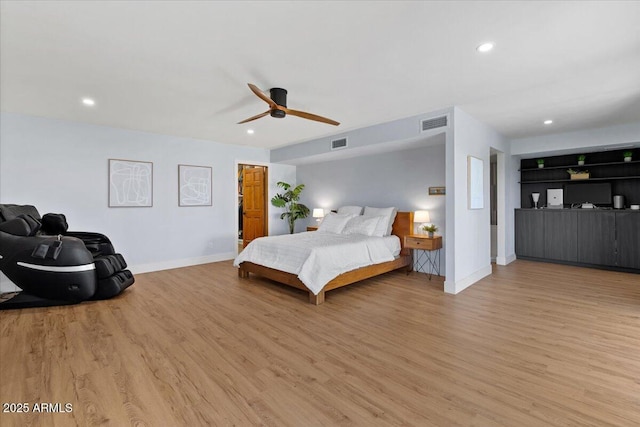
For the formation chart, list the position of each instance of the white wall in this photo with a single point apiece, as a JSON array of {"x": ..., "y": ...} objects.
[
  {"x": 61, "y": 166},
  {"x": 469, "y": 257},
  {"x": 583, "y": 140},
  {"x": 399, "y": 178}
]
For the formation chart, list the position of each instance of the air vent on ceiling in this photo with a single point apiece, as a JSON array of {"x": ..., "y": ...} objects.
[
  {"x": 337, "y": 144},
  {"x": 429, "y": 124}
]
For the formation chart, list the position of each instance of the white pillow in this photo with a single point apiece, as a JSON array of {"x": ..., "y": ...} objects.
[
  {"x": 353, "y": 210},
  {"x": 365, "y": 225},
  {"x": 384, "y": 226},
  {"x": 334, "y": 223}
]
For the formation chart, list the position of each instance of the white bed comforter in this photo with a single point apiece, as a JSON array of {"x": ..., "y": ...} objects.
[{"x": 316, "y": 257}]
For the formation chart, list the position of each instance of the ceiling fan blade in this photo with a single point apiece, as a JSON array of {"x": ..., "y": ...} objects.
[
  {"x": 309, "y": 116},
  {"x": 262, "y": 96},
  {"x": 255, "y": 117}
]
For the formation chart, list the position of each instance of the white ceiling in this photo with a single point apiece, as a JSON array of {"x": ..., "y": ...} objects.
[{"x": 182, "y": 67}]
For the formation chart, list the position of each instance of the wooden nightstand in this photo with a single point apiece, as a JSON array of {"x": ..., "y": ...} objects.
[
  {"x": 426, "y": 245},
  {"x": 312, "y": 228}
]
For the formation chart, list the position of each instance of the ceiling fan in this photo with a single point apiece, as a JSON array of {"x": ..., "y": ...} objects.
[{"x": 278, "y": 106}]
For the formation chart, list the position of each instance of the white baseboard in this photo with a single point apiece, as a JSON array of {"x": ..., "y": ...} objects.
[
  {"x": 461, "y": 285},
  {"x": 506, "y": 260},
  {"x": 178, "y": 263}
]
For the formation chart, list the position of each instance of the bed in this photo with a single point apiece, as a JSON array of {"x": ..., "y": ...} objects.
[{"x": 402, "y": 226}]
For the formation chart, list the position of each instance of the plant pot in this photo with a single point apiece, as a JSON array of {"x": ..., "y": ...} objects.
[
  {"x": 580, "y": 162},
  {"x": 627, "y": 159},
  {"x": 541, "y": 165},
  {"x": 576, "y": 176},
  {"x": 431, "y": 234}
]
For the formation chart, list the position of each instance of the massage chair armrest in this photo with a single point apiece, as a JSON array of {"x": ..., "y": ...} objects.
[{"x": 96, "y": 243}]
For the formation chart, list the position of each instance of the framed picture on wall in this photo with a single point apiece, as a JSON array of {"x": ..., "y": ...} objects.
[
  {"x": 195, "y": 185},
  {"x": 475, "y": 172},
  {"x": 130, "y": 183},
  {"x": 437, "y": 191}
]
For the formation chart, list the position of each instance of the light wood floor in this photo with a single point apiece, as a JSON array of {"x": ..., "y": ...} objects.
[{"x": 533, "y": 345}]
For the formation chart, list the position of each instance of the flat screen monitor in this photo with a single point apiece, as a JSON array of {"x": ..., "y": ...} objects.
[{"x": 598, "y": 193}]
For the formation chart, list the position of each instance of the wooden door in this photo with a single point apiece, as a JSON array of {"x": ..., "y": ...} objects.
[{"x": 253, "y": 214}]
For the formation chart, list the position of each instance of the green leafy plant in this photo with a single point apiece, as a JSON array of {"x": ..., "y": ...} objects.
[
  {"x": 627, "y": 154},
  {"x": 289, "y": 201},
  {"x": 540, "y": 161},
  {"x": 575, "y": 171},
  {"x": 431, "y": 228},
  {"x": 581, "y": 157}
]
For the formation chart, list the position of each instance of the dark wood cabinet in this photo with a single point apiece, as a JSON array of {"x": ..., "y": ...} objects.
[
  {"x": 560, "y": 235},
  {"x": 597, "y": 238},
  {"x": 529, "y": 233},
  {"x": 628, "y": 239},
  {"x": 602, "y": 238}
]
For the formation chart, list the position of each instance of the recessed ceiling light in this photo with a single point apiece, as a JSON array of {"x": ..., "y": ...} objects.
[
  {"x": 485, "y": 47},
  {"x": 250, "y": 131},
  {"x": 88, "y": 102},
  {"x": 548, "y": 122}
]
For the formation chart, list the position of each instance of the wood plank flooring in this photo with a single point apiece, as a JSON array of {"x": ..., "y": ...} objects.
[{"x": 533, "y": 345}]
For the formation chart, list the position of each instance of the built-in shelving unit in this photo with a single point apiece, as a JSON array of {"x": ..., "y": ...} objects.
[{"x": 607, "y": 166}]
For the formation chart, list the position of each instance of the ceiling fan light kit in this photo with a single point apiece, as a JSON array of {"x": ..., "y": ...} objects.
[{"x": 278, "y": 107}]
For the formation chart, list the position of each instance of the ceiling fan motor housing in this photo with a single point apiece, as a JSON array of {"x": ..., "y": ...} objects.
[{"x": 279, "y": 96}]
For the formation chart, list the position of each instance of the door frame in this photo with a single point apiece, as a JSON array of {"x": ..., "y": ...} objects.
[{"x": 236, "y": 194}]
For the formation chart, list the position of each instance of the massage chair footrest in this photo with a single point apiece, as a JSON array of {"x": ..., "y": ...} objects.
[
  {"x": 108, "y": 265},
  {"x": 112, "y": 286}
]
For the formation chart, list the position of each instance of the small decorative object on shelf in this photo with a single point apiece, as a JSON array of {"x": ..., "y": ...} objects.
[
  {"x": 576, "y": 174},
  {"x": 540, "y": 163},
  {"x": 535, "y": 197},
  {"x": 581, "y": 159},
  {"x": 430, "y": 229},
  {"x": 627, "y": 156}
]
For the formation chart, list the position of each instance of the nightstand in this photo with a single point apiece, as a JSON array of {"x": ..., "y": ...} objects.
[
  {"x": 427, "y": 248},
  {"x": 312, "y": 228}
]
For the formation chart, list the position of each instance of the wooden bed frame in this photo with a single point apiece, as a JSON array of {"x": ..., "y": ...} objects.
[{"x": 402, "y": 226}]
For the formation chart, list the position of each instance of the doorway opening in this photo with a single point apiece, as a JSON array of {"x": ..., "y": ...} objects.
[{"x": 252, "y": 203}]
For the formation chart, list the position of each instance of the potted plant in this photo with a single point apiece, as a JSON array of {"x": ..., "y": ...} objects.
[
  {"x": 627, "y": 155},
  {"x": 578, "y": 174},
  {"x": 540, "y": 163},
  {"x": 581, "y": 159},
  {"x": 289, "y": 201},
  {"x": 430, "y": 229}
]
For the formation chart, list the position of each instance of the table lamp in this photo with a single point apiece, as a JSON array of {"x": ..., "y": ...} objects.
[
  {"x": 421, "y": 217},
  {"x": 318, "y": 213},
  {"x": 535, "y": 197}
]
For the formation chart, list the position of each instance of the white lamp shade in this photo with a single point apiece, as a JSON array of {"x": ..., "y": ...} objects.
[
  {"x": 318, "y": 213},
  {"x": 421, "y": 216}
]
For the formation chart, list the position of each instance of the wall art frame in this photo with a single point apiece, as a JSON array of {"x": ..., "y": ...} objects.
[
  {"x": 475, "y": 180},
  {"x": 437, "y": 191},
  {"x": 130, "y": 183},
  {"x": 195, "y": 185}
]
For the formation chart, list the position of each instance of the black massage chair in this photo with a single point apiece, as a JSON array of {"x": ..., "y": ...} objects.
[{"x": 54, "y": 266}]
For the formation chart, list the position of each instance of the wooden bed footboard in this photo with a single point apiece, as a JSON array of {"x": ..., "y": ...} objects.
[{"x": 402, "y": 226}]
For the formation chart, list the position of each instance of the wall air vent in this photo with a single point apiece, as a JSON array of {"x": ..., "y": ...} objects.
[
  {"x": 338, "y": 144},
  {"x": 429, "y": 124}
]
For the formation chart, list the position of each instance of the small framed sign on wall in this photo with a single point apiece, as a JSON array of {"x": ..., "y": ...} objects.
[
  {"x": 437, "y": 191},
  {"x": 475, "y": 193}
]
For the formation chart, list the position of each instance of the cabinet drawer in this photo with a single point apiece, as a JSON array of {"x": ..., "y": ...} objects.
[{"x": 423, "y": 243}]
